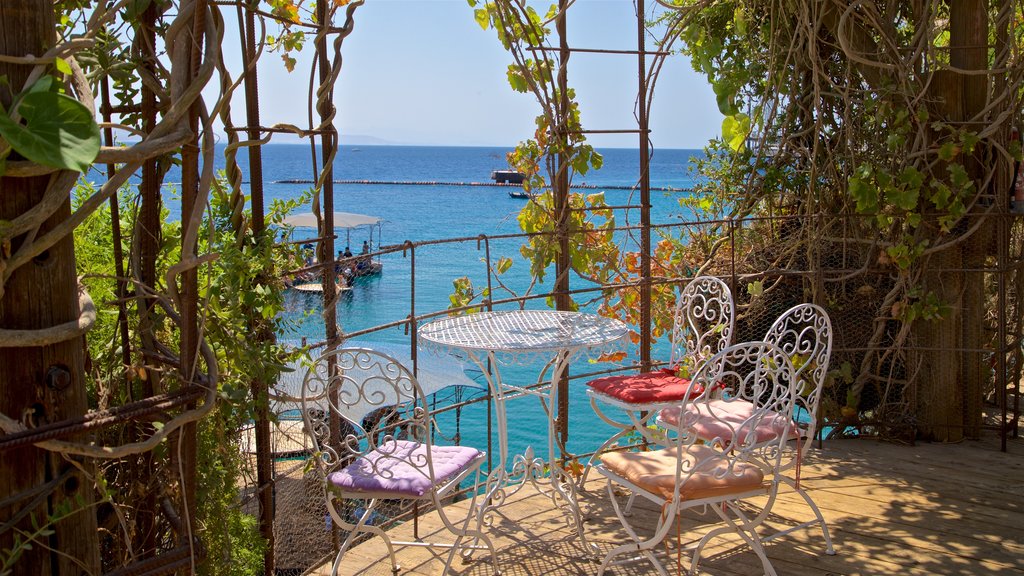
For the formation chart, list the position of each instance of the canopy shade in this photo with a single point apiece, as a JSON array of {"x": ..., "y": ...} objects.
[
  {"x": 434, "y": 373},
  {"x": 341, "y": 220}
]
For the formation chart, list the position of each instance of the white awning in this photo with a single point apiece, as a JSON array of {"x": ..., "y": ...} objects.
[
  {"x": 341, "y": 220},
  {"x": 434, "y": 373}
]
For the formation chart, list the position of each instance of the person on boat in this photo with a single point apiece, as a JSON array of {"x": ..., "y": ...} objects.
[
  {"x": 307, "y": 251},
  {"x": 364, "y": 258},
  {"x": 345, "y": 264}
]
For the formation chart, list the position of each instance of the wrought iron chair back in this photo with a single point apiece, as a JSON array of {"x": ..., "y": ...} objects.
[
  {"x": 757, "y": 372},
  {"x": 373, "y": 399},
  {"x": 804, "y": 333},
  {"x": 703, "y": 322}
]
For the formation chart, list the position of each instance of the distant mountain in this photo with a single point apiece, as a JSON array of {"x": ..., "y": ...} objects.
[{"x": 364, "y": 140}]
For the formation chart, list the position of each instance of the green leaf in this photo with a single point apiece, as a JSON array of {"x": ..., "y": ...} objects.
[
  {"x": 135, "y": 8},
  {"x": 735, "y": 130},
  {"x": 948, "y": 151},
  {"x": 740, "y": 20},
  {"x": 516, "y": 79},
  {"x": 45, "y": 84},
  {"x": 482, "y": 18},
  {"x": 969, "y": 140},
  {"x": 58, "y": 131},
  {"x": 864, "y": 194},
  {"x": 62, "y": 66}
]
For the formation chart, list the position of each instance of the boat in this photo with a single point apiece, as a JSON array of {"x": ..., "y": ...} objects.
[
  {"x": 521, "y": 194},
  {"x": 507, "y": 177},
  {"x": 357, "y": 265}
]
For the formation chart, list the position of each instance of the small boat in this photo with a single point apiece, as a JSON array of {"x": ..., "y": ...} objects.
[
  {"x": 352, "y": 266},
  {"x": 507, "y": 177},
  {"x": 521, "y": 194},
  {"x": 315, "y": 287}
]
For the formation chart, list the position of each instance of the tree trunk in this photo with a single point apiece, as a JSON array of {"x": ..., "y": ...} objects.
[
  {"x": 950, "y": 380},
  {"x": 41, "y": 294},
  {"x": 968, "y": 41}
]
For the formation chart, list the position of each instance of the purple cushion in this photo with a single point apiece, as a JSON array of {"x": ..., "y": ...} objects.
[
  {"x": 400, "y": 467},
  {"x": 723, "y": 418}
]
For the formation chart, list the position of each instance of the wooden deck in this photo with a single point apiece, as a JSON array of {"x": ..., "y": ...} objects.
[{"x": 916, "y": 510}]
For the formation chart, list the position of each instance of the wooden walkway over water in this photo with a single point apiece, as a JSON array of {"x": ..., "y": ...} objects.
[{"x": 908, "y": 510}]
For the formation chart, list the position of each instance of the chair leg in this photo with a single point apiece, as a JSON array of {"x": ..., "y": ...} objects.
[
  {"x": 817, "y": 514},
  {"x": 623, "y": 430},
  {"x": 362, "y": 526},
  {"x": 465, "y": 532},
  {"x": 748, "y": 532},
  {"x": 638, "y": 545},
  {"x": 628, "y": 509},
  {"x": 625, "y": 549}
]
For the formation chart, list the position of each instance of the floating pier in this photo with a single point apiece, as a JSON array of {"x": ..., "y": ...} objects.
[{"x": 490, "y": 184}]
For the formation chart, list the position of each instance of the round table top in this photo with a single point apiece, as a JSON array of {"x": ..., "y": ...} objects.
[{"x": 524, "y": 331}]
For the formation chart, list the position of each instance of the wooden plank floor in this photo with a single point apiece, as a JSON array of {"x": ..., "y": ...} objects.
[{"x": 915, "y": 510}]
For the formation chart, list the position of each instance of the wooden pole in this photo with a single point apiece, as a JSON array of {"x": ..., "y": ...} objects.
[
  {"x": 259, "y": 387},
  {"x": 189, "y": 290},
  {"x": 645, "y": 192},
  {"x": 47, "y": 382},
  {"x": 560, "y": 189},
  {"x": 148, "y": 239},
  {"x": 968, "y": 37}
]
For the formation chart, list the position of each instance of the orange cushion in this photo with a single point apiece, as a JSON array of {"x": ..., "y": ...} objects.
[
  {"x": 647, "y": 387},
  {"x": 724, "y": 418},
  {"x": 656, "y": 472}
]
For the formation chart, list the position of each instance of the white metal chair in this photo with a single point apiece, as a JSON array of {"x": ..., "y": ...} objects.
[
  {"x": 694, "y": 474},
  {"x": 702, "y": 326},
  {"x": 804, "y": 333},
  {"x": 372, "y": 431}
]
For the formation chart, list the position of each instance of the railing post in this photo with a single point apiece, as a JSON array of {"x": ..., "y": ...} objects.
[{"x": 645, "y": 194}]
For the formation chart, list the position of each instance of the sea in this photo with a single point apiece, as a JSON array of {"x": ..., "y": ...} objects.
[{"x": 435, "y": 210}]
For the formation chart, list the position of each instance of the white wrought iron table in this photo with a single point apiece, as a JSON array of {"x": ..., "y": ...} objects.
[{"x": 495, "y": 339}]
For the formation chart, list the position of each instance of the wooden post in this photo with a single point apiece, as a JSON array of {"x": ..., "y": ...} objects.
[
  {"x": 560, "y": 191},
  {"x": 147, "y": 239},
  {"x": 968, "y": 37},
  {"x": 45, "y": 382},
  {"x": 645, "y": 190},
  {"x": 259, "y": 387},
  {"x": 189, "y": 290}
]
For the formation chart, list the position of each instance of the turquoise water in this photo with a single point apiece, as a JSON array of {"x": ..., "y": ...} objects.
[{"x": 422, "y": 213}]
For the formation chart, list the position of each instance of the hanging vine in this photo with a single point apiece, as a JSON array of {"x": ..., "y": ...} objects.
[{"x": 158, "y": 57}]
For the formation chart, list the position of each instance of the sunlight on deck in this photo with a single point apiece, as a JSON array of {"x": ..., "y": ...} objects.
[{"x": 926, "y": 509}]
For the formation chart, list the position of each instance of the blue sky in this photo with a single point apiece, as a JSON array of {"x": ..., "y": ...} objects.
[{"x": 423, "y": 72}]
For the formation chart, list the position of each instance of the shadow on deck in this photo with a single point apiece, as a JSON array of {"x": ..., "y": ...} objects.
[{"x": 925, "y": 509}]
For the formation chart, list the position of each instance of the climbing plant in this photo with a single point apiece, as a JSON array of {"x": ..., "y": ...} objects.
[
  {"x": 550, "y": 160},
  {"x": 136, "y": 88},
  {"x": 842, "y": 119}
]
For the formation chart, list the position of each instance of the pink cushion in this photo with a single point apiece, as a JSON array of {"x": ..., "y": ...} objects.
[
  {"x": 400, "y": 467},
  {"x": 646, "y": 388},
  {"x": 711, "y": 476},
  {"x": 723, "y": 418}
]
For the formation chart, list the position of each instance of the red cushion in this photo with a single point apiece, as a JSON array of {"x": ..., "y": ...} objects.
[{"x": 646, "y": 388}]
